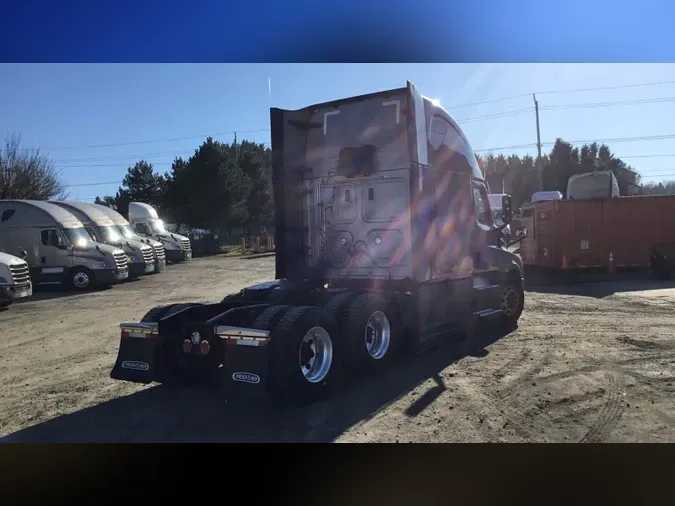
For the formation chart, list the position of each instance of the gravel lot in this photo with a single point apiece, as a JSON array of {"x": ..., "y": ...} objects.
[{"x": 595, "y": 363}]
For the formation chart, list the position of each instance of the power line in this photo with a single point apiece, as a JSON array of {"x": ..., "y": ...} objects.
[
  {"x": 167, "y": 139},
  {"x": 94, "y": 184},
  {"x": 464, "y": 120},
  {"x": 570, "y": 106},
  {"x": 645, "y": 156},
  {"x": 658, "y": 175},
  {"x": 552, "y": 92},
  {"x": 608, "y": 104},
  {"x": 620, "y": 139},
  {"x": 489, "y": 116},
  {"x": 497, "y": 115},
  {"x": 501, "y": 148},
  {"x": 119, "y": 157}
]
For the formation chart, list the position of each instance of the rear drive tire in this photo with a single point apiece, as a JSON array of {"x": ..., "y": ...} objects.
[
  {"x": 304, "y": 355},
  {"x": 231, "y": 298},
  {"x": 338, "y": 304},
  {"x": 269, "y": 318},
  {"x": 373, "y": 332},
  {"x": 159, "y": 312},
  {"x": 512, "y": 302},
  {"x": 82, "y": 279}
]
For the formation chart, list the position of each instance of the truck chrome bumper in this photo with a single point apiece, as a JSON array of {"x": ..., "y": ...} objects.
[
  {"x": 111, "y": 276},
  {"x": 140, "y": 268},
  {"x": 13, "y": 292},
  {"x": 178, "y": 255}
]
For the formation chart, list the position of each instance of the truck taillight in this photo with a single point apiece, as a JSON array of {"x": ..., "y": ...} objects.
[
  {"x": 187, "y": 346},
  {"x": 204, "y": 347}
]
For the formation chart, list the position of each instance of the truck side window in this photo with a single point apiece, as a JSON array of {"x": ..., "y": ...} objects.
[
  {"x": 7, "y": 215},
  {"x": 142, "y": 229},
  {"x": 51, "y": 238},
  {"x": 482, "y": 205}
]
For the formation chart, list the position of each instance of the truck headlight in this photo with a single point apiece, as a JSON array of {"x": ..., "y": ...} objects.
[{"x": 130, "y": 259}]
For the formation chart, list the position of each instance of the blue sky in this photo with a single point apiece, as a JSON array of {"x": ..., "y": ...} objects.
[{"x": 64, "y": 109}]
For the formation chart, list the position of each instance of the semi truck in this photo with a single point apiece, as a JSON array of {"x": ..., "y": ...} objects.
[
  {"x": 592, "y": 185},
  {"x": 57, "y": 247},
  {"x": 146, "y": 223},
  {"x": 125, "y": 230},
  {"x": 385, "y": 245},
  {"x": 102, "y": 229},
  {"x": 543, "y": 196},
  {"x": 14, "y": 279}
]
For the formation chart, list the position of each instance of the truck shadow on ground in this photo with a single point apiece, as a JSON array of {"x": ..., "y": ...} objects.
[
  {"x": 210, "y": 414},
  {"x": 601, "y": 289}
]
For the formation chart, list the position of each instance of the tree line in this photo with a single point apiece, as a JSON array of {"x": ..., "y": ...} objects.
[
  {"x": 227, "y": 186},
  {"x": 220, "y": 187},
  {"x": 519, "y": 177}
]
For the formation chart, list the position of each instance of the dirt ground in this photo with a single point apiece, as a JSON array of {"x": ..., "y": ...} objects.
[{"x": 593, "y": 363}]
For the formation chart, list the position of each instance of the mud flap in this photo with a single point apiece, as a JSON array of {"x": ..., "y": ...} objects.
[
  {"x": 246, "y": 368},
  {"x": 137, "y": 360}
]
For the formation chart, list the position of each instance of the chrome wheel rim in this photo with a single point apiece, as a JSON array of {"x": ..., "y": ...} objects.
[
  {"x": 510, "y": 301},
  {"x": 378, "y": 335},
  {"x": 81, "y": 280},
  {"x": 316, "y": 354}
]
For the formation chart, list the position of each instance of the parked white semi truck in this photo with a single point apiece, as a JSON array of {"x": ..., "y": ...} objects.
[
  {"x": 58, "y": 248},
  {"x": 385, "y": 244},
  {"x": 600, "y": 184},
  {"x": 14, "y": 279},
  {"x": 102, "y": 229},
  {"x": 146, "y": 223},
  {"x": 125, "y": 230}
]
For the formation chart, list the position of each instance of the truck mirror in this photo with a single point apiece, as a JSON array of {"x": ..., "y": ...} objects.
[{"x": 507, "y": 210}]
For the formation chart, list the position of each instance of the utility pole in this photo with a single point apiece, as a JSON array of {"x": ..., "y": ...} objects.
[
  {"x": 235, "y": 145},
  {"x": 540, "y": 171}
]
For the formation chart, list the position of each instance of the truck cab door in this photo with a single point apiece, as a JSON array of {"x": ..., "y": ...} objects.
[
  {"x": 54, "y": 256},
  {"x": 486, "y": 274}
]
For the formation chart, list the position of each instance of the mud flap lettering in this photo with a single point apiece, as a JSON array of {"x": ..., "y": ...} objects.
[
  {"x": 246, "y": 377},
  {"x": 135, "y": 365},
  {"x": 246, "y": 366}
]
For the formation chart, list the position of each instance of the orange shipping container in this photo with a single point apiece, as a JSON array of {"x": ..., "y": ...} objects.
[{"x": 577, "y": 234}]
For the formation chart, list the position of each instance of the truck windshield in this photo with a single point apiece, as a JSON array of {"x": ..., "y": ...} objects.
[
  {"x": 158, "y": 226},
  {"x": 125, "y": 231},
  {"x": 93, "y": 235},
  {"x": 78, "y": 237},
  {"x": 109, "y": 234}
]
